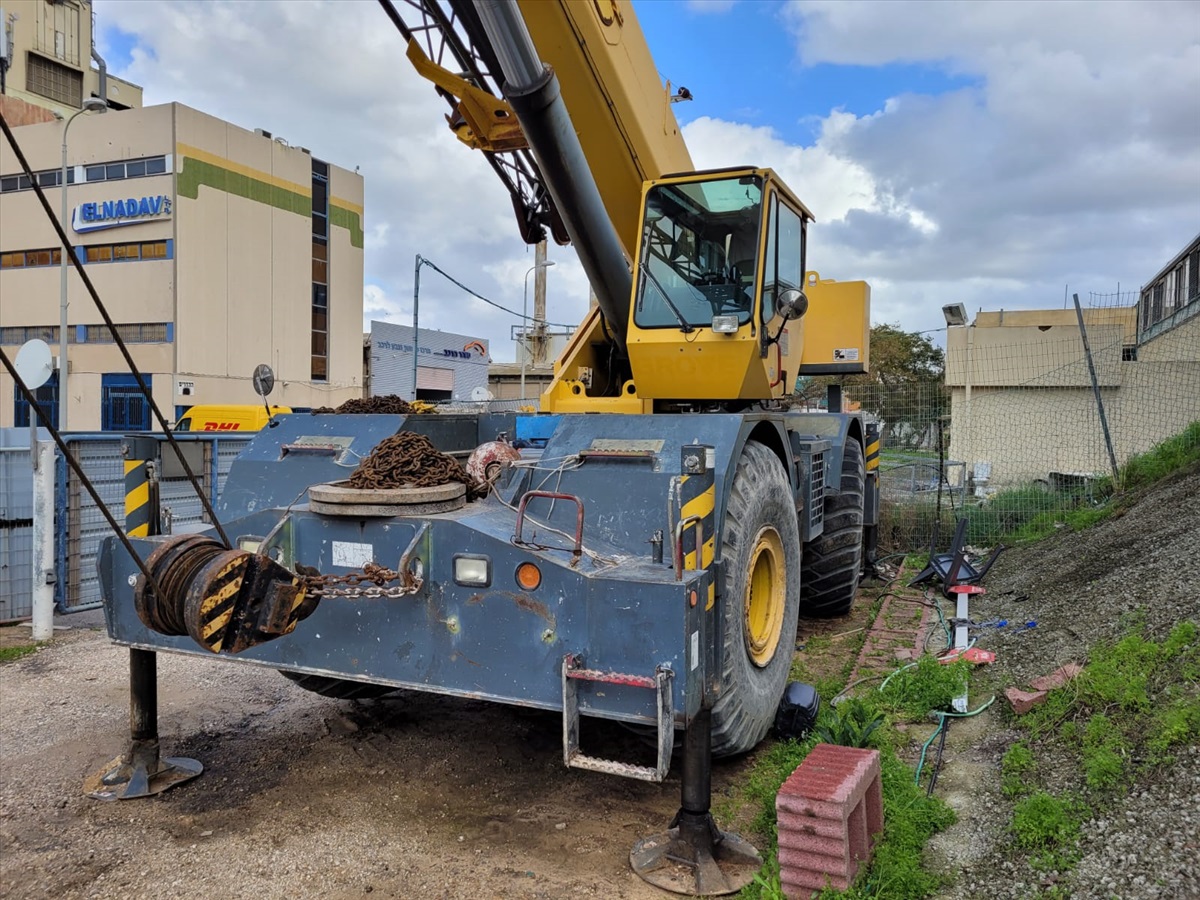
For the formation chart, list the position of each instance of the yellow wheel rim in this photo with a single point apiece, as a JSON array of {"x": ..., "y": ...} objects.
[{"x": 765, "y": 597}]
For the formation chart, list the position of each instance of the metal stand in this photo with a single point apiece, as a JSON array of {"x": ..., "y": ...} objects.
[
  {"x": 142, "y": 772},
  {"x": 695, "y": 857}
]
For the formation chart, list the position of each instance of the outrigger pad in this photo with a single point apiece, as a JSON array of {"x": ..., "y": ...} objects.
[
  {"x": 696, "y": 858},
  {"x": 140, "y": 773}
]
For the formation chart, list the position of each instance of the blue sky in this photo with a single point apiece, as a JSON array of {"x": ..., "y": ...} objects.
[
  {"x": 771, "y": 84},
  {"x": 988, "y": 153}
]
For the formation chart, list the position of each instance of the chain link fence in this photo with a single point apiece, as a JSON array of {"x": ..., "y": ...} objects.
[{"x": 1034, "y": 419}]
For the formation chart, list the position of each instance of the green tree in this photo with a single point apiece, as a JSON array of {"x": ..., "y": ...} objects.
[{"x": 905, "y": 387}]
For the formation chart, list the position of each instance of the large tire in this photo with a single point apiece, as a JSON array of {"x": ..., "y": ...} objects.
[
  {"x": 338, "y": 688},
  {"x": 833, "y": 562},
  {"x": 760, "y": 550}
]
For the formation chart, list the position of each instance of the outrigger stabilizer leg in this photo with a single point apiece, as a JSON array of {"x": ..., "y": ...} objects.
[
  {"x": 142, "y": 772},
  {"x": 695, "y": 857}
]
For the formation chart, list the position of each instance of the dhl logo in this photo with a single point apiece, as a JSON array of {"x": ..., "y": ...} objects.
[{"x": 221, "y": 426}]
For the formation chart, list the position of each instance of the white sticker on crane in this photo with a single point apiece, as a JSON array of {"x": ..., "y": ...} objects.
[
  {"x": 845, "y": 354},
  {"x": 695, "y": 650},
  {"x": 352, "y": 555}
]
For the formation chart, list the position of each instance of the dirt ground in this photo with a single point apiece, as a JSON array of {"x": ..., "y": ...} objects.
[
  {"x": 420, "y": 796},
  {"x": 408, "y": 796}
]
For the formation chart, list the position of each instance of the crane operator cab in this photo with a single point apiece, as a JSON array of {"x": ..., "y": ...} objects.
[{"x": 721, "y": 300}]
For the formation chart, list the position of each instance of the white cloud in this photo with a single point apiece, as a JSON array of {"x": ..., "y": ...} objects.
[
  {"x": 1071, "y": 155},
  {"x": 332, "y": 77}
]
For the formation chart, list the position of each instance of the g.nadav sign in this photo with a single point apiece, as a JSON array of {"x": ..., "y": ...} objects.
[{"x": 115, "y": 213}]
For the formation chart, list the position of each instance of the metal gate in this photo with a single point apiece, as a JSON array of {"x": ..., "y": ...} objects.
[
  {"x": 81, "y": 527},
  {"x": 123, "y": 406},
  {"x": 16, "y": 524}
]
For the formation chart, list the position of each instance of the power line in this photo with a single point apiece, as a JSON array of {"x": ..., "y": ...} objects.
[{"x": 479, "y": 296}]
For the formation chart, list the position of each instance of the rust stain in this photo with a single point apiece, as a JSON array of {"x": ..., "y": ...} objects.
[{"x": 522, "y": 601}]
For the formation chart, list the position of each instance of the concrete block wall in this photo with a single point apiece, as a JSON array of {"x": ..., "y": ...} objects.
[{"x": 829, "y": 813}]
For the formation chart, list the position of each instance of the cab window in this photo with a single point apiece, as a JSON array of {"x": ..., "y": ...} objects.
[
  {"x": 785, "y": 255},
  {"x": 698, "y": 253}
]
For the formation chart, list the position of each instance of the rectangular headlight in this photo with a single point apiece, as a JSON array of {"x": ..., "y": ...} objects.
[
  {"x": 725, "y": 324},
  {"x": 472, "y": 571}
]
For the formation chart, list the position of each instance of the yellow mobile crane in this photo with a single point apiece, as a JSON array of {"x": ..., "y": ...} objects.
[{"x": 666, "y": 431}]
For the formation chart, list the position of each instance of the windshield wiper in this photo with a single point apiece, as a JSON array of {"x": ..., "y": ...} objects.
[{"x": 684, "y": 326}]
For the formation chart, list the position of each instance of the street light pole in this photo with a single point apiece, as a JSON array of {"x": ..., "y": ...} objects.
[
  {"x": 525, "y": 320},
  {"x": 91, "y": 104}
]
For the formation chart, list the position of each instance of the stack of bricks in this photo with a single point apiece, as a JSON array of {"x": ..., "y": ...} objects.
[{"x": 829, "y": 812}]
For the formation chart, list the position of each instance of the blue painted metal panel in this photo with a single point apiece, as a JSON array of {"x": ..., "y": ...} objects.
[
  {"x": 615, "y": 607},
  {"x": 499, "y": 643},
  {"x": 537, "y": 429}
]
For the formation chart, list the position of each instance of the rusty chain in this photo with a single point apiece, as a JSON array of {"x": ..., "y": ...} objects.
[
  {"x": 379, "y": 581},
  {"x": 410, "y": 460},
  {"x": 389, "y": 404}
]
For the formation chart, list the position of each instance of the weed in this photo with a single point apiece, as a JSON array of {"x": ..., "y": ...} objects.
[
  {"x": 1174, "y": 724},
  {"x": 1104, "y": 752},
  {"x": 928, "y": 685},
  {"x": 852, "y": 724},
  {"x": 1181, "y": 639},
  {"x": 1048, "y": 828},
  {"x": 1015, "y": 769},
  {"x": 818, "y": 643},
  {"x": 11, "y": 654},
  {"x": 1161, "y": 460}
]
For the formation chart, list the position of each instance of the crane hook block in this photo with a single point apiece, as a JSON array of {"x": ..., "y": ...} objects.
[{"x": 226, "y": 600}]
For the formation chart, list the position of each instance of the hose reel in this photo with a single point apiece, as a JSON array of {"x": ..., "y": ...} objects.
[{"x": 225, "y": 600}]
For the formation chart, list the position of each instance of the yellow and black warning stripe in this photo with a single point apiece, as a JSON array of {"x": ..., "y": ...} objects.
[
  {"x": 871, "y": 451},
  {"x": 216, "y": 605},
  {"x": 137, "y": 498},
  {"x": 697, "y": 497},
  {"x": 872, "y": 454}
]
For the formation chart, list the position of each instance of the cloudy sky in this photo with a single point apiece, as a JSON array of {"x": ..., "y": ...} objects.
[{"x": 991, "y": 153}]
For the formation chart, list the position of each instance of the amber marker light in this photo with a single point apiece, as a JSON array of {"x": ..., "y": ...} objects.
[{"x": 528, "y": 576}]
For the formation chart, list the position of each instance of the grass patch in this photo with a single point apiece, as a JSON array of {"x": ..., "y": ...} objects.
[
  {"x": 927, "y": 685},
  {"x": 1031, "y": 512},
  {"x": 1047, "y": 828},
  {"x": 1157, "y": 463},
  {"x": 910, "y": 817},
  {"x": 12, "y": 654},
  {"x": 1016, "y": 768},
  {"x": 1133, "y": 695},
  {"x": 1135, "y": 701}
]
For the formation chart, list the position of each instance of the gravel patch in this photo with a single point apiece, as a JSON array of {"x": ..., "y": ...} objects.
[{"x": 1081, "y": 589}]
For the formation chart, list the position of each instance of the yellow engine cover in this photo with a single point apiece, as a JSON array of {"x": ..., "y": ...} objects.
[{"x": 837, "y": 328}]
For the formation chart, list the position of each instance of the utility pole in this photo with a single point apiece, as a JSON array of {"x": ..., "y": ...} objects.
[{"x": 539, "y": 305}]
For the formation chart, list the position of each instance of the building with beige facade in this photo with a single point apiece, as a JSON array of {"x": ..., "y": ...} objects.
[
  {"x": 213, "y": 247},
  {"x": 47, "y": 49},
  {"x": 1023, "y": 405}
]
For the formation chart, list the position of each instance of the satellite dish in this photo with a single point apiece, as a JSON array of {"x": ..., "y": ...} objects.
[
  {"x": 481, "y": 393},
  {"x": 35, "y": 364},
  {"x": 264, "y": 380}
]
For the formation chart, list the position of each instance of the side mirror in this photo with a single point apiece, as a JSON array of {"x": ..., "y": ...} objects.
[
  {"x": 791, "y": 304},
  {"x": 264, "y": 383},
  {"x": 264, "y": 380}
]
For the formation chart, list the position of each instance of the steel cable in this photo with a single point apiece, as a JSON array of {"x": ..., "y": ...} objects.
[{"x": 69, "y": 249}]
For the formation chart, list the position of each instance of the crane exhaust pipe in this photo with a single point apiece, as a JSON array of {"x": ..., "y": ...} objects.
[{"x": 531, "y": 87}]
